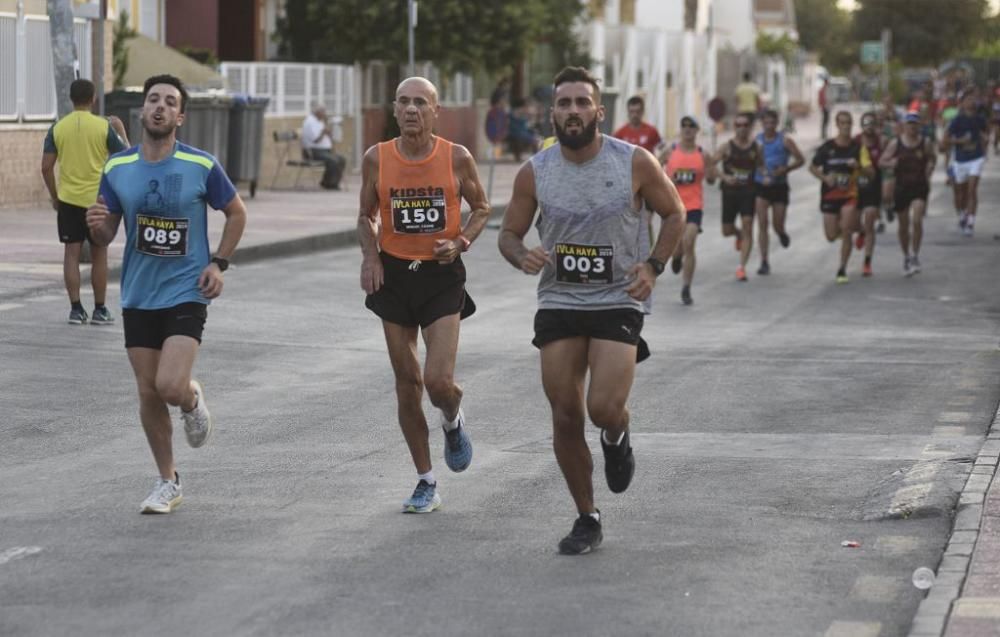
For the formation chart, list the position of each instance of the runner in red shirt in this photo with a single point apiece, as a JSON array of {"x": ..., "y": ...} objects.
[{"x": 637, "y": 131}]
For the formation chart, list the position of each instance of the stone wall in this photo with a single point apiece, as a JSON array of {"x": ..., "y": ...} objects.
[{"x": 21, "y": 182}]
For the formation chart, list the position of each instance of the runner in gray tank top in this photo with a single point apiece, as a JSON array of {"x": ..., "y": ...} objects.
[{"x": 596, "y": 280}]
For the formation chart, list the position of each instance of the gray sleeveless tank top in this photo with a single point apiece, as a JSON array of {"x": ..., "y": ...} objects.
[{"x": 588, "y": 223}]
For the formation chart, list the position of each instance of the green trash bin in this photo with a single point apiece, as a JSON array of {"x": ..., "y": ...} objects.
[
  {"x": 206, "y": 125},
  {"x": 121, "y": 104},
  {"x": 246, "y": 139}
]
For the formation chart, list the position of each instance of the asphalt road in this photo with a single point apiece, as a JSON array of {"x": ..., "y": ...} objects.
[{"x": 776, "y": 419}]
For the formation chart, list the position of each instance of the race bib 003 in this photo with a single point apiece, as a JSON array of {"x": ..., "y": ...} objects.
[
  {"x": 161, "y": 236},
  {"x": 583, "y": 264},
  {"x": 418, "y": 215}
]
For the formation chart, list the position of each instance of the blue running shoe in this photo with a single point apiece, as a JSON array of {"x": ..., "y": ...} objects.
[
  {"x": 457, "y": 446},
  {"x": 424, "y": 499}
]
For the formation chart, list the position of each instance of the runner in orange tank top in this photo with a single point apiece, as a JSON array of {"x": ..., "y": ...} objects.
[
  {"x": 687, "y": 166},
  {"x": 412, "y": 272}
]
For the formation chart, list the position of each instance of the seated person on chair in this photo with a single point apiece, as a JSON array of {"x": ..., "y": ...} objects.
[{"x": 317, "y": 143}]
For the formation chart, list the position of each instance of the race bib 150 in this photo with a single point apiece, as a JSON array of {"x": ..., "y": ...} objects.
[
  {"x": 418, "y": 215},
  {"x": 161, "y": 236},
  {"x": 583, "y": 264}
]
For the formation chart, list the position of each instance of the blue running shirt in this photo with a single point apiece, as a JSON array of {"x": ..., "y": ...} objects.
[{"x": 166, "y": 222}]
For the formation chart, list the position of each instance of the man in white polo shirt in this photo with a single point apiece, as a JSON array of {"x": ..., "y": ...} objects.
[{"x": 317, "y": 143}]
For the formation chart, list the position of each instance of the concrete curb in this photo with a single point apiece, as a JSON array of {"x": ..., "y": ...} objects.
[{"x": 932, "y": 614}]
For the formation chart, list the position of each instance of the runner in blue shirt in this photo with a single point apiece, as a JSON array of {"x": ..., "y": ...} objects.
[
  {"x": 162, "y": 189},
  {"x": 968, "y": 134}
]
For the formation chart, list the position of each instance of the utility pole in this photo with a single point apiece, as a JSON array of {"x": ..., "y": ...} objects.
[
  {"x": 411, "y": 9},
  {"x": 99, "y": 76},
  {"x": 886, "y": 54},
  {"x": 63, "y": 51}
]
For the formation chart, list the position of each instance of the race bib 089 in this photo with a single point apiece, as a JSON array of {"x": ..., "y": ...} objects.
[
  {"x": 418, "y": 215},
  {"x": 583, "y": 264},
  {"x": 161, "y": 236}
]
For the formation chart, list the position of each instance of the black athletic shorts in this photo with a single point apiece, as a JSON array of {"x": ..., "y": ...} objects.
[
  {"x": 737, "y": 203},
  {"x": 775, "y": 193},
  {"x": 621, "y": 325},
  {"x": 72, "y": 223},
  {"x": 834, "y": 206},
  {"x": 907, "y": 194},
  {"x": 870, "y": 197},
  {"x": 695, "y": 217},
  {"x": 149, "y": 328},
  {"x": 420, "y": 296}
]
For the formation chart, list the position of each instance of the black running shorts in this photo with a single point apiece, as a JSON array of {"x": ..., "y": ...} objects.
[
  {"x": 695, "y": 217},
  {"x": 149, "y": 328},
  {"x": 420, "y": 295},
  {"x": 908, "y": 193},
  {"x": 621, "y": 325},
  {"x": 775, "y": 193},
  {"x": 834, "y": 206},
  {"x": 737, "y": 203},
  {"x": 72, "y": 223},
  {"x": 870, "y": 197}
]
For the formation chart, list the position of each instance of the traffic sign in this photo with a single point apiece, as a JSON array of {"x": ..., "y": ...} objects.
[
  {"x": 872, "y": 52},
  {"x": 717, "y": 108}
]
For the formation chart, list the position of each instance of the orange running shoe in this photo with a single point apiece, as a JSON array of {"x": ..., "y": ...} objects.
[
  {"x": 866, "y": 269},
  {"x": 741, "y": 273}
]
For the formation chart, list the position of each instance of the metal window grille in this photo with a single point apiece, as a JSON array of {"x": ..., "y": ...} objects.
[
  {"x": 29, "y": 94},
  {"x": 9, "y": 56}
]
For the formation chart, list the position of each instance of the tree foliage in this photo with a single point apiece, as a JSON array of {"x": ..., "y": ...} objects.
[
  {"x": 783, "y": 47},
  {"x": 825, "y": 29},
  {"x": 119, "y": 52},
  {"x": 924, "y": 32},
  {"x": 456, "y": 35}
]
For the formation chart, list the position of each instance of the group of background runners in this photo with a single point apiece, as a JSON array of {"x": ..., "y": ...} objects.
[{"x": 885, "y": 168}]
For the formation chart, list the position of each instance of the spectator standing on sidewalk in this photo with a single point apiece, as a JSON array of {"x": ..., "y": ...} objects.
[
  {"x": 748, "y": 97},
  {"x": 635, "y": 130},
  {"x": 823, "y": 100},
  {"x": 80, "y": 143},
  {"x": 317, "y": 143}
]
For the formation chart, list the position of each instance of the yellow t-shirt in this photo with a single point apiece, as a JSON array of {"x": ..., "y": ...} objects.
[
  {"x": 746, "y": 97},
  {"x": 82, "y": 142}
]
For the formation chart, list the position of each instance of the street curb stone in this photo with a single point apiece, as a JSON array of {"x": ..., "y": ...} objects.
[{"x": 935, "y": 609}]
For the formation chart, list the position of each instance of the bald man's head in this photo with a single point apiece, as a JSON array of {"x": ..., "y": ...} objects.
[
  {"x": 416, "y": 85},
  {"x": 416, "y": 107}
]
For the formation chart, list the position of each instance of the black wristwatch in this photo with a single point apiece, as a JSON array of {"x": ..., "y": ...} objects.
[
  {"x": 222, "y": 263},
  {"x": 657, "y": 265}
]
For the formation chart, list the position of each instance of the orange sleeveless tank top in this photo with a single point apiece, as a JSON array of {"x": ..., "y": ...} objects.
[
  {"x": 419, "y": 202},
  {"x": 687, "y": 171}
]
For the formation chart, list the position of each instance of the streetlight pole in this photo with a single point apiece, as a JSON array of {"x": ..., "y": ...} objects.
[{"x": 411, "y": 10}]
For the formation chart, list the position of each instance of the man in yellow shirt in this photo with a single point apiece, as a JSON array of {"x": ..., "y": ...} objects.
[
  {"x": 747, "y": 97},
  {"x": 81, "y": 143}
]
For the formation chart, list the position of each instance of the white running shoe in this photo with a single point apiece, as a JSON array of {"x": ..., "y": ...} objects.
[
  {"x": 197, "y": 422},
  {"x": 968, "y": 229},
  {"x": 165, "y": 496},
  {"x": 915, "y": 264},
  {"x": 907, "y": 267}
]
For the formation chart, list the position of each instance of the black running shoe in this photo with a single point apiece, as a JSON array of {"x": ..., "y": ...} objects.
[
  {"x": 784, "y": 239},
  {"x": 686, "y": 295},
  {"x": 585, "y": 536},
  {"x": 676, "y": 264},
  {"x": 764, "y": 268},
  {"x": 619, "y": 464}
]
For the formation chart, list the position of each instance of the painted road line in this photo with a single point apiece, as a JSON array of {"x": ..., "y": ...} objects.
[{"x": 18, "y": 552}]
